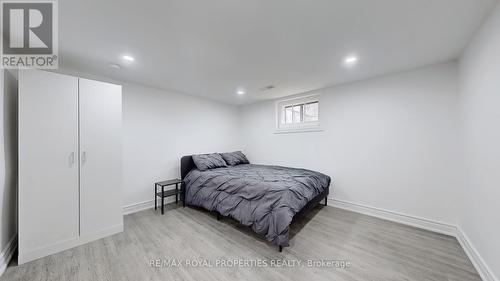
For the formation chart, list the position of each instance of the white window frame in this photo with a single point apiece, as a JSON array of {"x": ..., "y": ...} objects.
[{"x": 311, "y": 126}]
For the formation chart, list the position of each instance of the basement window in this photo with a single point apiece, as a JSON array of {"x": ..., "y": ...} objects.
[{"x": 298, "y": 114}]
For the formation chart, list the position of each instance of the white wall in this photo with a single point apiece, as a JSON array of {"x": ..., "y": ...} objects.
[
  {"x": 160, "y": 127},
  {"x": 8, "y": 161},
  {"x": 480, "y": 80},
  {"x": 390, "y": 142}
]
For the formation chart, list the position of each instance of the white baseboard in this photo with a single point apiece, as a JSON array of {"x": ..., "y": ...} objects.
[
  {"x": 141, "y": 206},
  {"x": 474, "y": 256},
  {"x": 431, "y": 225},
  {"x": 25, "y": 257},
  {"x": 7, "y": 253}
]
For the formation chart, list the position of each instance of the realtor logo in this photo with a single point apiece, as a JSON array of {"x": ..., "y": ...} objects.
[{"x": 29, "y": 34}]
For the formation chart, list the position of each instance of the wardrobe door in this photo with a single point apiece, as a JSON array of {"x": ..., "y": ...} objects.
[
  {"x": 100, "y": 158},
  {"x": 48, "y": 162}
]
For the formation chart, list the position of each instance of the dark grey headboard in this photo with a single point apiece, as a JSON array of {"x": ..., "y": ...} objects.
[{"x": 187, "y": 165}]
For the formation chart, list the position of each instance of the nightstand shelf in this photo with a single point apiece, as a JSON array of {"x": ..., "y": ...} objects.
[
  {"x": 167, "y": 193},
  {"x": 162, "y": 193}
]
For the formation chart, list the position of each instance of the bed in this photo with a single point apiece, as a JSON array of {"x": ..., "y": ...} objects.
[{"x": 266, "y": 198}]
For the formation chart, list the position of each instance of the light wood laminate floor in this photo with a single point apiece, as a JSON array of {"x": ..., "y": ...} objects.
[{"x": 377, "y": 250}]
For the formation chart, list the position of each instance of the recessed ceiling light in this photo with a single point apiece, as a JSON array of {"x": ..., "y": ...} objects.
[
  {"x": 114, "y": 66},
  {"x": 351, "y": 60},
  {"x": 128, "y": 58},
  {"x": 240, "y": 91}
]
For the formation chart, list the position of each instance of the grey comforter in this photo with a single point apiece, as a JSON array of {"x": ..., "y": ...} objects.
[{"x": 263, "y": 197}]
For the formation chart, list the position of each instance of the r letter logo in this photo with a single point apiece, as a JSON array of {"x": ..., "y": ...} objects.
[{"x": 29, "y": 34}]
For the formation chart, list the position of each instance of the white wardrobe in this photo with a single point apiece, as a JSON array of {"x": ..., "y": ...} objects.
[{"x": 69, "y": 162}]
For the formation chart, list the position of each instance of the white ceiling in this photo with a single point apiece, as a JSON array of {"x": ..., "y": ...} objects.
[{"x": 210, "y": 48}]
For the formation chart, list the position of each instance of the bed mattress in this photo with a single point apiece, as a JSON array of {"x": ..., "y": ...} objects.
[{"x": 263, "y": 197}]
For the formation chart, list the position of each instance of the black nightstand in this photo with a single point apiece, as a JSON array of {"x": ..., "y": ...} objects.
[{"x": 166, "y": 193}]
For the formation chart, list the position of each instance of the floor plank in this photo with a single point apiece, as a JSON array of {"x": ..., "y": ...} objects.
[{"x": 375, "y": 249}]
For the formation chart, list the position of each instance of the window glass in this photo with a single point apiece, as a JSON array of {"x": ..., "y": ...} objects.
[
  {"x": 288, "y": 115},
  {"x": 311, "y": 112},
  {"x": 297, "y": 114}
]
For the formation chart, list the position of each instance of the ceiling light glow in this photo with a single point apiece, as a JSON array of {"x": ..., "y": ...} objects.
[
  {"x": 351, "y": 60},
  {"x": 240, "y": 91},
  {"x": 128, "y": 58}
]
